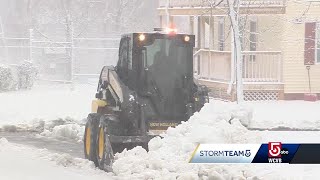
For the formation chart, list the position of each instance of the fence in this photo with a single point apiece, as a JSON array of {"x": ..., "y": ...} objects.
[{"x": 62, "y": 60}]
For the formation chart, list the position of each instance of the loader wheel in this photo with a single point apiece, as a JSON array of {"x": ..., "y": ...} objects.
[
  {"x": 90, "y": 137},
  {"x": 104, "y": 151}
]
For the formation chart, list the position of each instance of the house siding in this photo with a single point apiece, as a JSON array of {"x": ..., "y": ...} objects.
[
  {"x": 295, "y": 74},
  {"x": 278, "y": 32}
]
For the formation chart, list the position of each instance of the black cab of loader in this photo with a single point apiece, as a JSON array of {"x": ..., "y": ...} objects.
[
  {"x": 159, "y": 67},
  {"x": 151, "y": 88}
]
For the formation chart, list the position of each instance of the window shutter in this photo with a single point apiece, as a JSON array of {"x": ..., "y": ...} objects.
[{"x": 309, "y": 44}]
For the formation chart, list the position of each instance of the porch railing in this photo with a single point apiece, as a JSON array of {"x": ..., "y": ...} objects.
[
  {"x": 213, "y": 65},
  {"x": 258, "y": 66},
  {"x": 262, "y": 66}
]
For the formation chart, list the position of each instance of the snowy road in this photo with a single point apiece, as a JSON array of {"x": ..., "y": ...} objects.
[
  {"x": 71, "y": 147},
  {"x": 282, "y": 129},
  {"x": 75, "y": 149}
]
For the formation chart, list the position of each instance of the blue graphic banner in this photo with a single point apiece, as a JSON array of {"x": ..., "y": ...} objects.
[{"x": 273, "y": 152}]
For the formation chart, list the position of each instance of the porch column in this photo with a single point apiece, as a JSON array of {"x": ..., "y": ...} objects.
[
  {"x": 191, "y": 24},
  {"x": 198, "y": 45},
  {"x": 198, "y": 32},
  {"x": 211, "y": 44},
  {"x": 202, "y": 58},
  {"x": 161, "y": 21},
  {"x": 171, "y": 20},
  {"x": 202, "y": 31},
  {"x": 211, "y": 24}
]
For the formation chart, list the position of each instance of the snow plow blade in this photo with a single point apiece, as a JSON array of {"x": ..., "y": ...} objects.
[{"x": 130, "y": 139}]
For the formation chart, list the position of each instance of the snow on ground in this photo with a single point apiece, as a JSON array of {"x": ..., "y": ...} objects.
[
  {"x": 59, "y": 111},
  {"x": 70, "y": 131},
  {"x": 56, "y": 110},
  {"x": 272, "y": 114},
  {"x": 36, "y": 109},
  {"x": 168, "y": 157},
  {"x": 46, "y": 102},
  {"x": 21, "y": 162},
  {"x": 294, "y": 114}
]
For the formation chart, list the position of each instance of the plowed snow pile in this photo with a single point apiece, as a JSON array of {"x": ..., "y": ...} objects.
[
  {"x": 168, "y": 156},
  {"x": 70, "y": 131}
]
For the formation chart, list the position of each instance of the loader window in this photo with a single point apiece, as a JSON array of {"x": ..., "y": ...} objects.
[
  {"x": 169, "y": 53},
  {"x": 125, "y": 62},
  {"x": 152, "y": 51},
  {"x": 170, "y": 71},
  {"x": 123, "y": 54}
]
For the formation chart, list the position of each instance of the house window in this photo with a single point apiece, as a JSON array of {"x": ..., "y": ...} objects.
[
  {"x": 221, "y": 34},
  {"x": 253, "y": 38},
  {"x": 310, "y": 44},
  {"x": 253, "y": 35},
  {"x": 318, "y": 43}
]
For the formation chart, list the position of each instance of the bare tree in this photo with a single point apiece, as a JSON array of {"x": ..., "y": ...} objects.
[{"x": 234, "y": 18}]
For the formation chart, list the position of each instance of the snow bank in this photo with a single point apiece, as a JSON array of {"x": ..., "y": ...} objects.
[
  {"x": 218, "y": 122},
  {"x": 58, "y": 129},
  {"x": 21, "y": 162},
  {"x": 168, "y": 156},
  {"x": 54, "y": 110},
  {"x": 69, "y": 131}
]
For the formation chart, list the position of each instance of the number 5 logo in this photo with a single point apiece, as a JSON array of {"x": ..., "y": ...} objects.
[{"x": 274, "y": 149}]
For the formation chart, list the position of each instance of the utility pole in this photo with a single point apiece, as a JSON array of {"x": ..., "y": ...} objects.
[
  {"x": 4, "y": 42},
  {"x": 30, "y": 44},
  {"x": 72, "y": 66}
]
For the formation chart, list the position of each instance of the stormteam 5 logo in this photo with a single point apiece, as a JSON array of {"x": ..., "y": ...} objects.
[{"x": 274, "y": 149}]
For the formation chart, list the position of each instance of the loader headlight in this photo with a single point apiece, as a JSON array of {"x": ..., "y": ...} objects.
[
  {"x": 187, "y": 38},
  {"x": 142, "y": 37}
]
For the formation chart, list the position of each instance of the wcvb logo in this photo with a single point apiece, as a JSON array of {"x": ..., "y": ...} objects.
[{"x": 274, "y": 149}]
